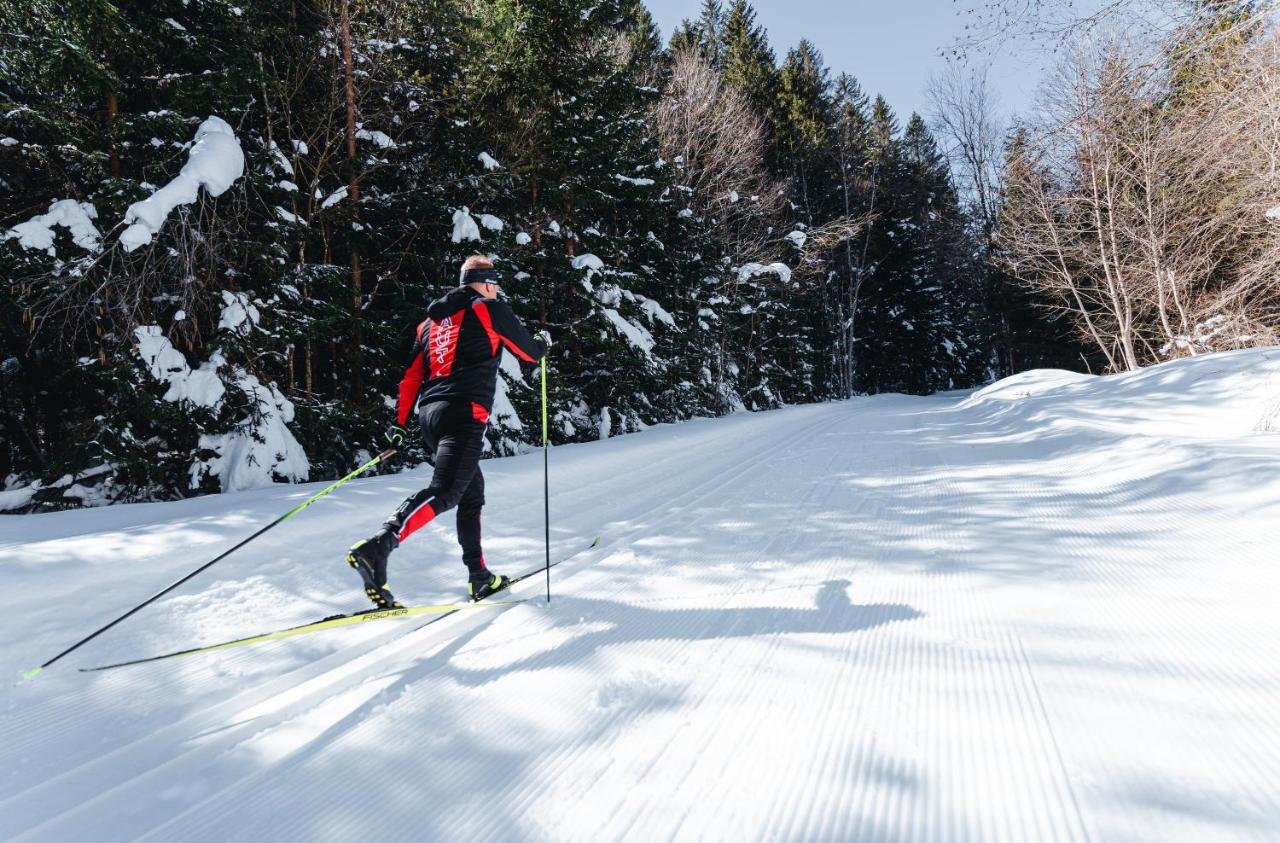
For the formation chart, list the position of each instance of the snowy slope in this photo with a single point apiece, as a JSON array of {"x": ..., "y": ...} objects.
[{"x": 1042, "y": 611}]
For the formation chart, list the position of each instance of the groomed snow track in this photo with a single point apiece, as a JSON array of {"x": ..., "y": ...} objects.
[{"x": 1045, "y": 611}]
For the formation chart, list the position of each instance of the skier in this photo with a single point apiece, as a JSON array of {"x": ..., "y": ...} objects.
[{"x": 451, "y": 381}]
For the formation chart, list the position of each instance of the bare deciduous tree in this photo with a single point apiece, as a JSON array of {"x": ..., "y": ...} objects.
[
  {"x": 712, "y": 133},
  {"x": 1141, "y": 205}
]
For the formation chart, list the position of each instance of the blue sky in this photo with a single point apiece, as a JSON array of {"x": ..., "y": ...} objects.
[{"x": 892, "y": 48}]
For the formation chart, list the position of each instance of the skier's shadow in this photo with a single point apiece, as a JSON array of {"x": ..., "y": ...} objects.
[{"x": 612, "y": 623}]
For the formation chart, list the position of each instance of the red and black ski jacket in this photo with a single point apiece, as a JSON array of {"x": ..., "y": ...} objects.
[{"x": 457, "y": 350}]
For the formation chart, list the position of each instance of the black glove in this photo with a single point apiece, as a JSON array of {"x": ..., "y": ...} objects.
[{"x": 395, "y": 435}]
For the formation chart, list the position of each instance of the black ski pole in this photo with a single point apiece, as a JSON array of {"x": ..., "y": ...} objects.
[
  {"x": 387, "y": 454},
  {"x": 546, "y": 479}
]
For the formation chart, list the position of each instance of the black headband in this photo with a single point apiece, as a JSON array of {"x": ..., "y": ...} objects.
[{"x": 487, "y": 275}]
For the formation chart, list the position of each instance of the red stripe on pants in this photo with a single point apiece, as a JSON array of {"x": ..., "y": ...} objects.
[{"x": 418, "y": 519}]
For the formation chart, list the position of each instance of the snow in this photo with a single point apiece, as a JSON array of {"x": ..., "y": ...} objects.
[
  {"x": 201, "y": 387},
  {"x": 489, "y": 162},
  {"x": 657, "y": 312},
  {"x": 797, "y": 238},
  {"x": 5, "y": 140},
  {"x": 464, "y": 227},
  {"x": 11, "y": 499},
  {"x": 523, "y": 239},
  {"x": 504, "y": 415},
  {"x": 260, "y": 449},
  {"x": 751, "y": 269},
  {"x": 1273, "y": 213},
  {"x": 630, "y": 180},
  {"x": 635, "y": 334},
  {"x": 76, "y": 217},
  {"x": 380, "y": 139},
  {"x": 214, "y": 163},
  {"x": 238, "y": 313},
  {"x": 1041, "y": 611},
  {"x": 334, "y": 198},
  {"x": 173, "y": 23},
  {"x": 491, "y": 222},
  {"x": 588, "y": 261}
]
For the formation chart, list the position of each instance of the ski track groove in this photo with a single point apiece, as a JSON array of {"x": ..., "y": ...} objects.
[
  {"x": 291, "y": 711},
  {"x": 984, "y": 717},
  {"x": 230, "y": 660}
]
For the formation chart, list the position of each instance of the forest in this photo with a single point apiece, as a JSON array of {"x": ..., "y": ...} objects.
[{"x": 706, "y": 223}]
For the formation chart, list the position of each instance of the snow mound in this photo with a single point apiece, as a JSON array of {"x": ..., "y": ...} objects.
[
  {"x": 1209, "y": 396},
  {"x": 1026, "y": 384},
  {"x": 214, "y": 163}
]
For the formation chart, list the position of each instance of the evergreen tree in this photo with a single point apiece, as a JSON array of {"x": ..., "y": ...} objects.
[{"x": 746, "y": 59}]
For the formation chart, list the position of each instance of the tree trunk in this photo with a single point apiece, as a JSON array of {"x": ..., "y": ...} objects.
[{"x": 353, "y": 198}]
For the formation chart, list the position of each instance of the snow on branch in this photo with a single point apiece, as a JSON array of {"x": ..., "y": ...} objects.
[
  {"x": 76, "y": 217},
  {"x": 752, "y": 269},
  {"x": 464, "y": 226},
  {"x": 214, "y": 162}
]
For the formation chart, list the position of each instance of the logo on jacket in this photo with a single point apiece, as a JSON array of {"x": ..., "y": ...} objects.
[{"x": 440, "y": 339}]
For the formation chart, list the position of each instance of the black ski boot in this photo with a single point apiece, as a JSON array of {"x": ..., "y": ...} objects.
[
  {"x": 486, "y": 583},
  {"x": 369, "y": 558}
]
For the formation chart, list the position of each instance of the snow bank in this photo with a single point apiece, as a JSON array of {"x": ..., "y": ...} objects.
[
  {"x": 76, "y": 217},
  {"x": 464, "y": 227},
  {"x": 12, "y": 499},
  {"x": 215, "y": 162},
  {"x": 1208, "y": 396}
]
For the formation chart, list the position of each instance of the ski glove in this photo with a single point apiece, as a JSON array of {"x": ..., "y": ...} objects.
[
  {"x": 545, "y": 336},
  {"x": 395, "y": 435}
]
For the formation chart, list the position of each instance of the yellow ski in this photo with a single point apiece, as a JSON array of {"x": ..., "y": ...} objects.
[{"x": 327, "y": 623}]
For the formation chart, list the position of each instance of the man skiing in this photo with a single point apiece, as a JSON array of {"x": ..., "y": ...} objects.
[{"x": 450, "y": 383}]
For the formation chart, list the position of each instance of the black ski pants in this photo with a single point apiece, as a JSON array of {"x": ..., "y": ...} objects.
[{"x": 454, "y": 436}]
